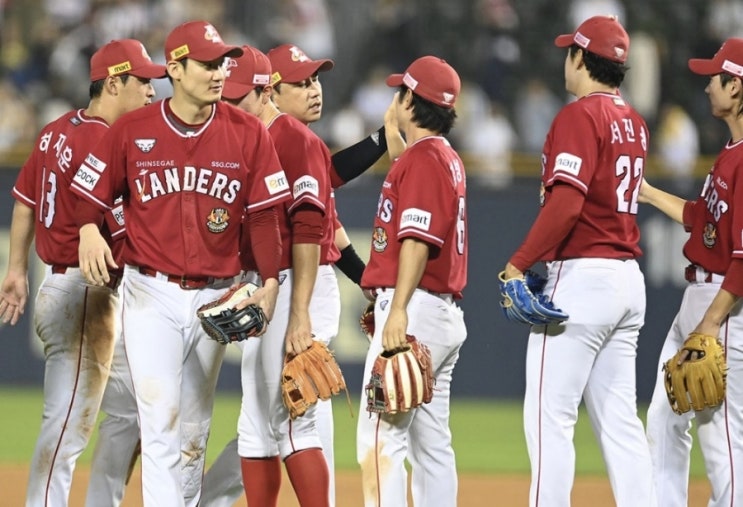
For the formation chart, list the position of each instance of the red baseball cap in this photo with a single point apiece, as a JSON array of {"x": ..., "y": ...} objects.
[
  {"x": 246, "y": 72},
  {"x": 729, "y": 59},
  {"x": 291, "y": 65},
  {"x": 124, "y": 56},
  {"x": 199, "y": 41},
  {"x": 431, "y": 78},
  {"x": 601, "y": 35}
]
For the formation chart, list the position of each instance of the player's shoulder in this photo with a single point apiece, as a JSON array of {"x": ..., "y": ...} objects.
[
  {"x": 285, "y": 129},
  {"x": 140, "y": 118},
  {"x": 75, "y": 120},
  {"x": 227, "y": 113}
]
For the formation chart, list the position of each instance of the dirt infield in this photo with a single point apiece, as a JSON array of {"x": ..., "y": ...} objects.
[{"x": 474, "y": 490}]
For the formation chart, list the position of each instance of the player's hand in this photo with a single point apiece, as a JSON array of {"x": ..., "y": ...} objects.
[
  {"x": 298, "y": 332},
  {"x": 706, "y": 328},
  {"x": 95, "y": 256},
  {"x": 513, "y": 272},
  {"x": 13, "y": 297},
  {"x": 395, "y": 142},
  {"x": 394, "y": 334},
  {"x": 265, "y": 297}
]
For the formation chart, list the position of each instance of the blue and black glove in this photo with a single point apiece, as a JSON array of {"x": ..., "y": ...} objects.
[{"x": 523, "y": 301}]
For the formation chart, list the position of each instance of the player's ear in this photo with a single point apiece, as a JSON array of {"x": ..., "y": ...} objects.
[{"x": 174, "y": 69}]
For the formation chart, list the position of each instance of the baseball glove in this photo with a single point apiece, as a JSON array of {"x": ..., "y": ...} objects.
[
  {"x": 699, "y": 382},
  {"x": 520, "y": 304},
  {"x": 225, "y": 323},
  {"x": 400, "y": 380},
  {"x": 308, "y": 376},
  {"x": 366, "y": 321}
]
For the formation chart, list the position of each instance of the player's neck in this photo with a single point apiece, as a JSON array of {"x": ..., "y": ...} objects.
[
  {"x": 189, "y": 112},
  {"x": 590, "y": 86},
  {"x": 269, "y": 113},
  {"x": 96, "y": 109},
  {"x": 413, "y": 133}
]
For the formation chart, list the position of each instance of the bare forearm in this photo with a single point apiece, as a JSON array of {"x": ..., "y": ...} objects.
[
  {"x": 21, "y": 236},
  {"x": 412, "y": 264},
  {"x": 669, "y": 204},
  {"x": 305, "y": 260}
]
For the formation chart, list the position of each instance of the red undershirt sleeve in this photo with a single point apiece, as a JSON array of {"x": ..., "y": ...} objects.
[
  {"x": 734, "y": 278},
  {"x": 307, "y": 225},
  {"x": 88, "y": 213},
  {"x": 687, "y": 215},
  {"x": 552, "y": 225},
  {"x": 265, "y": 241}
]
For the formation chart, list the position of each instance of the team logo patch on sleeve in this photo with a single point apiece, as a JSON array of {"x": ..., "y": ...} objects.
[
  {"x": 568, "y": 163},
  {"x": 306, "y": 185},
  {"x": 218, "y": 220},
  {"x": 379, "y": 239},
  {"x": 416, "y": 218},
  {"x": 276, "y": 183},
  {"x": 145, "y": 145}
]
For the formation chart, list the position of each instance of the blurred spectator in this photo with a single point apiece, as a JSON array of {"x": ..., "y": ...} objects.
[
  {"x": 307, "y": 24},
  {"x": 535, "y": 108},
  {"x": 499, "y": 46},
  {"x": 678, "y": 146},
  {"x": 484, "y": 133},
  {"x": 725, "y": 19},
  {"x": 17, "y": 119},
  {"x": 371, "y": 98},
  {"x": 642, "y": 86},
  {"x": 581, "y": 10}
]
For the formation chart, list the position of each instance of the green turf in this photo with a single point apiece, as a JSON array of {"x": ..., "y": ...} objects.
[{"x": 488, "y": 436}]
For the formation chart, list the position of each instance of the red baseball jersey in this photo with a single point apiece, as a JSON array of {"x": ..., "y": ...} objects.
[
  {"x": 306, "y": 162},
  {"x": 43, "y": 184},
  {"x": 423, "y": 197},
  {"x": 714, "y": 221},
  {"x": 185, "y": 190},
  {"x": 598, "y": 144}
]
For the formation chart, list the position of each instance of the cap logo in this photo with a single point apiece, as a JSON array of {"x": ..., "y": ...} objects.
[
  {"x": 732, "y": 68},
  {"x": 210, "y": 33},
  {"x": 298, "y": 55},
  {"x": 261, "y": 79},
  {"x": 179, "y": 52},
  {"x": 581, "y": 40},
  {"x": 448, "y": 97},
  {"x": 619, "y": 52},
  {"x": 120, "y": 68},
  {"x": 409, "y": 81}
]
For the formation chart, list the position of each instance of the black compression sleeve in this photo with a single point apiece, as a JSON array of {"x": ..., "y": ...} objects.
[
  {"x": 351, "y": 162},
  {"x": 351, "y": 264}
]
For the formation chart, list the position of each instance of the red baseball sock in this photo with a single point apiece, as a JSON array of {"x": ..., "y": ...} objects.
[
  {"x": 308, "y": 473},
  {"x": 261, "y": 480}
]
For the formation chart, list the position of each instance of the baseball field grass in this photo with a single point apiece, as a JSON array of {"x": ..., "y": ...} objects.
[{"x": 488, "y": 435}]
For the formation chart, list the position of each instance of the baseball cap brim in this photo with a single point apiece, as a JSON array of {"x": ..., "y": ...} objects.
[
  {"x": 302, "y": 71},
  {"x": 565, "y": 40},
  {"x": 704, "y": 67},
  {"x": 394, "y": 79},
  {"x": 214, "y": 52},
  {"x": 153, "y": 71},
  {"x": 234, "y": 91}
]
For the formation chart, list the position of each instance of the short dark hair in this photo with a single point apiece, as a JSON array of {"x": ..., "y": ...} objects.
[
  {"x": 601, "y": 69},
  {"x": 96, "y": 87},
  {"x": 726, "y": 78},
  {"x": 428, "y": 115}
]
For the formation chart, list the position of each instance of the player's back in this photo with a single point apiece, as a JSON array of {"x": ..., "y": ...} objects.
[
  {"x": 598, "y": 144},
  {"x": 44, "y": 179}
]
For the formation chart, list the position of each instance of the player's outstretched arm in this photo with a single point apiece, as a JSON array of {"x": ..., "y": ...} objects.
[
  {"x": 95, "y": 255},
  {"x": 671, "y": 205},
  {"x": 14, "y": 289}
]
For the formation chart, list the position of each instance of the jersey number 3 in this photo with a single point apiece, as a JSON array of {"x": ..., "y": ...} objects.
[{"x": 630, "y": 177}]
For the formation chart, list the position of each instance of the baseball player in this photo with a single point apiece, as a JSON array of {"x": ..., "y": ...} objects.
[
  {"x": 586, "y": 232},
  {"x": 418, "y": 268},
  {"x": 248, "y": 86},
  {"x": 77, "y": 348},
  {"x": 189, "y": 167},
  {"x": 711, "y": 302}
]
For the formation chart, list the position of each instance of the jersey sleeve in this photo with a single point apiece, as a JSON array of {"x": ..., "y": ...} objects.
[
  {"x": 569, "y": 158},
  {"x": 25, "y": 189},
  {"x": 427, "y": 214},
  {"x": 100, "y": 179},
  {"x": 304, "y": 161},
  {"x": 267, "y": 181}
]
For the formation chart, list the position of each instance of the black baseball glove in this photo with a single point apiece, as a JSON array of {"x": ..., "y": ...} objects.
[{"x": 225, "y": 323}]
